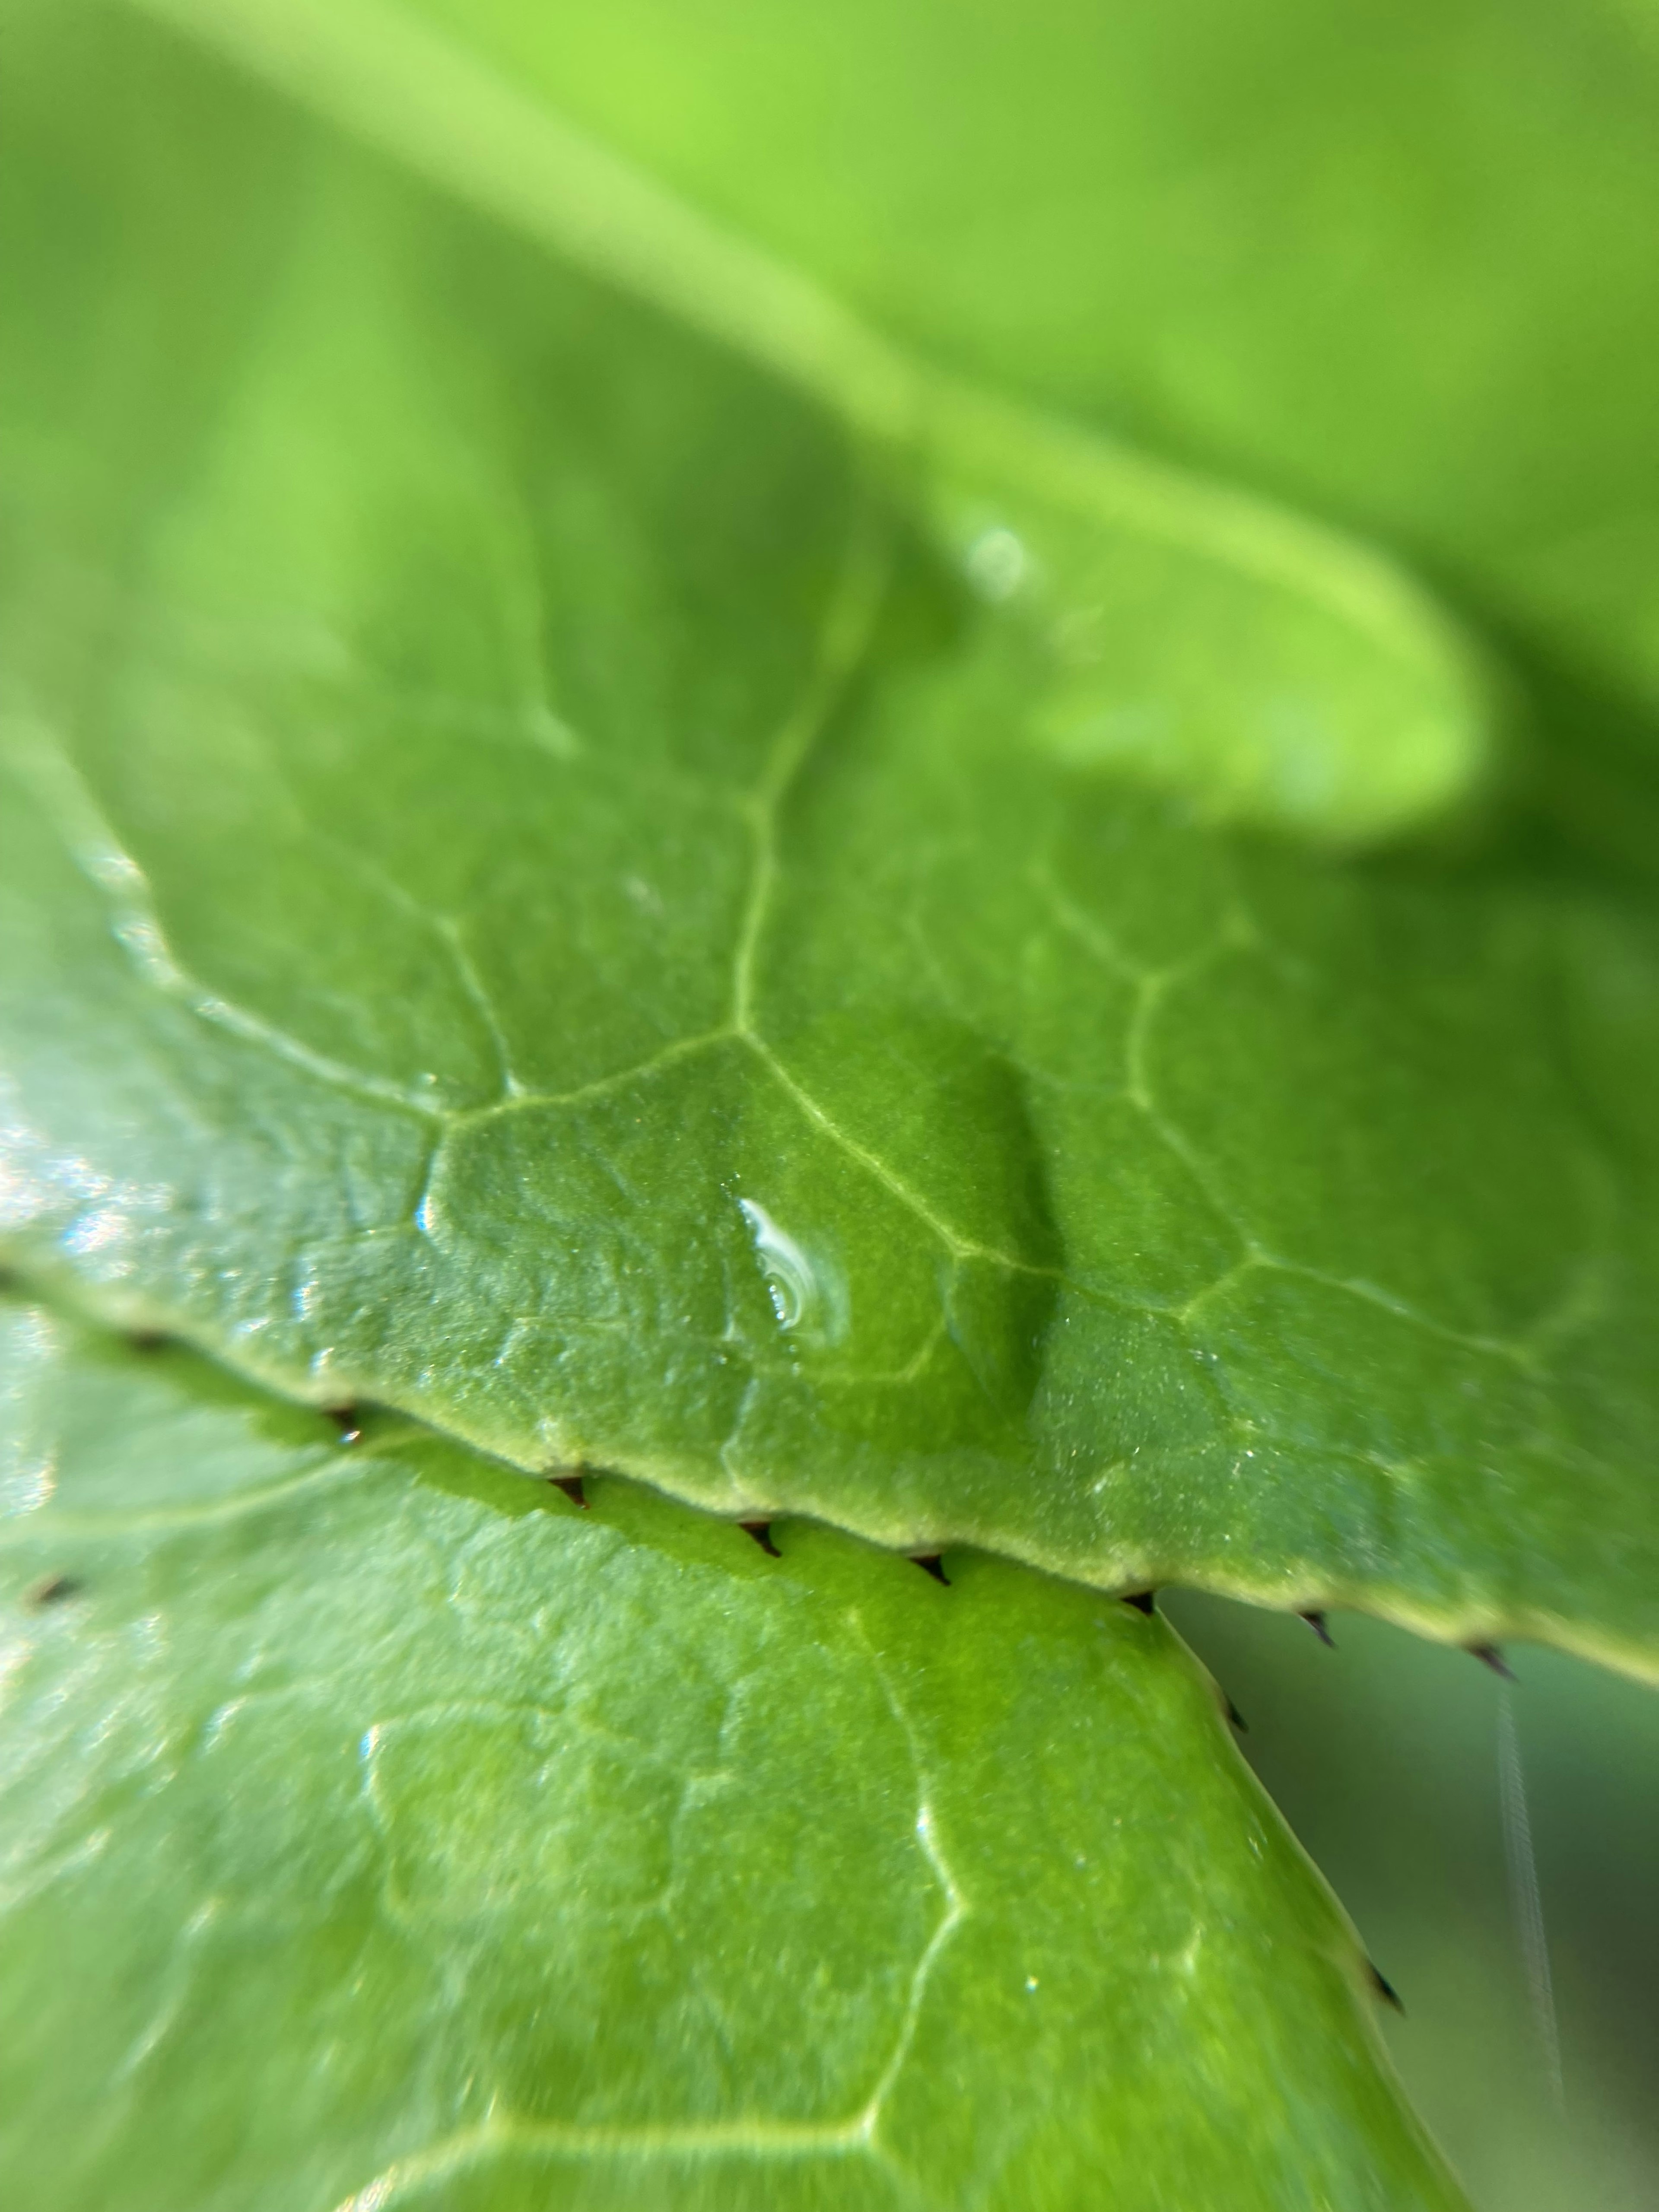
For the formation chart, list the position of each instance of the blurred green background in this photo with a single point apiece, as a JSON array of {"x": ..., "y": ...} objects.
[{"x": 1383, "y": 1754}]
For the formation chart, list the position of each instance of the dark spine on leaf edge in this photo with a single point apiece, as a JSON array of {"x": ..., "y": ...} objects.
[
  {"x": 51, "y": 1589},
  {"x": 1384, "y": 1988}
]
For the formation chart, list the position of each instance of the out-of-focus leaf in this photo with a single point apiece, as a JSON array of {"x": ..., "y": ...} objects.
[{"x": 1394, "y": 259}]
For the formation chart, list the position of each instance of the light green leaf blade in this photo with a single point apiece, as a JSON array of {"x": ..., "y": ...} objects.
[
  {"x": 1351, "y": 707},
  {"x": 377, "y": 1833},
  {"x": 560, "y": 877},
  {"x": 1395, "y": 262}
]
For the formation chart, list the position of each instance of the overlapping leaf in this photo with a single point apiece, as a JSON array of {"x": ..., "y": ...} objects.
[{"x": 374, "y": 1832}]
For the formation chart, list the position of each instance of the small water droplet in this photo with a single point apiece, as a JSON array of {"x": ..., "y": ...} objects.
[
  {"x": 808, "y": 1295},
  {"x": 997, "y": 563},
  {"x": 546, "y": 729}
]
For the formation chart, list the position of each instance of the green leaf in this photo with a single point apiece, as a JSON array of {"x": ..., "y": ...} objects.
[
  {"x": 595, "y": 856},
  {"x": 1391, "y": 261},
  {"x": 1394, "y": 260},
  {"x": 373, "y": 1832},
  {"x": 1350, "y": 707}
]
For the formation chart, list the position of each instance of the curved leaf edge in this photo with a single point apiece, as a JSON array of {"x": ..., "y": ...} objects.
[{"x": 1479, "y": 1630}]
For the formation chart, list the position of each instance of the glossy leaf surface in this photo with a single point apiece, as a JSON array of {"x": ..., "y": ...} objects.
[
  {"x": 601, "y": 873},
  {"x": 376, "y": 1832}
]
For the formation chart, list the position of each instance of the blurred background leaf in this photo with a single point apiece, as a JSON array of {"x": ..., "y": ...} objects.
[{"x": 1392, "y": 260}]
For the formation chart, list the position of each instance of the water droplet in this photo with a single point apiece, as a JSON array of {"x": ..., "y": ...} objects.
[
  {"x": 545, "y": 728},
  {"x": 997, "y": 564},
  {"x": 808, "y": 1294}
]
